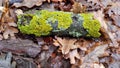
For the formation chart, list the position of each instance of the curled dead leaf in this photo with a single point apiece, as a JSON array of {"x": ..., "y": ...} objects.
[{"x": 29, "y": 3}]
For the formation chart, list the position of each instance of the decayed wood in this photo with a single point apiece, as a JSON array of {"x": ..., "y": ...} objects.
[{"x": 20, "y": 47}]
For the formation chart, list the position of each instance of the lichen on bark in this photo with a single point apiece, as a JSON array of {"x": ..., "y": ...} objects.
[
  {"x": 43, "y": 23},
  {"x": 91, "y": 25}
]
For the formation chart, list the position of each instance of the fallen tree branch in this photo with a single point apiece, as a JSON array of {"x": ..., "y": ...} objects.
[{"x": 44, "y": 23}]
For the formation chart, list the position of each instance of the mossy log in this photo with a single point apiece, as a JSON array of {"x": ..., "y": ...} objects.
[{"x": 44, "y": 23}]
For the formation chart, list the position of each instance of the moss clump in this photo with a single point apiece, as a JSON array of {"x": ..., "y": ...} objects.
[
  {"x": 36, "y": 26},
  {"x": 39, "y": 23},
  {"x": 63, "y": 18},
  {"x": 91, "y": 25}
]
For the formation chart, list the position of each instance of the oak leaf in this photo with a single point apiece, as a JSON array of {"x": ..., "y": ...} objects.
[
  {"x": 66, "y": 44},
  {"x": 72, "y": 55}
]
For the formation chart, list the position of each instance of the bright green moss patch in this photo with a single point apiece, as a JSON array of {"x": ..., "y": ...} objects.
[
  {"x": 63, "y": 18},
  {"x": 91, "y": 25},
  {"x": 36, "y": 26},
  {"x": 39, "y": 23},
  {"x": 87, "y": 16}
]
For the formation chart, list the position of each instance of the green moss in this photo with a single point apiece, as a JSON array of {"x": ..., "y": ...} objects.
[
  {"x": 63, "y": 18},
  {"x": 39, "y": 23},
  {"x": 87, "y": 16},
  {"x": 91, "y": 25},
  {"x": 36, "y": 26}
]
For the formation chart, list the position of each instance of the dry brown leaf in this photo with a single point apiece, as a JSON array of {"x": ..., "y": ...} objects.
[
  {"x": 10, "y": 31},
  {"x": 72, "y": 55},
  {"x": 82, "y": 44},
  {"x": 93, "y": 56},
  {"x": 114, "y": 9},
  {"x": 116, "y": 19},
  {"x": 63, "y": 6},
  {"x": 92, "y": 5},
  {"x": 66, "y": 44},
  {"x": 113, "y": 12},
  {"x": 105, "y": 3},
  {"x": 29, "y": 3},
  {"x": 78, "y": 8},
  {"x": 7, "y": 22},
  {"x": 104, "y": 28}
]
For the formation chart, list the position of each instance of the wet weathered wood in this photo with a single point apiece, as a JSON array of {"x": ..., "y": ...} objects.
[{"x": 20, "y": 47}]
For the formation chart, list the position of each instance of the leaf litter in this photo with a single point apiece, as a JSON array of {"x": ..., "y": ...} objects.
[{"x": 64, "y": 52}]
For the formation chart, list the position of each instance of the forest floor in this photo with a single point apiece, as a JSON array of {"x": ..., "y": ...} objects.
[{"x": 18, "y": 50}]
